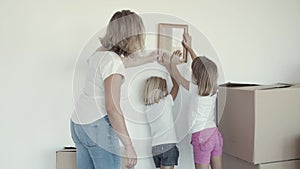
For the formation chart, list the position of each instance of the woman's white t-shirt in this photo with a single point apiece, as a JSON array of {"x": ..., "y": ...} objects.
[
  {"x": 160, "y": 119},
  {"x": 91, "y": 104},
  {"x": 201, "y": 110}
]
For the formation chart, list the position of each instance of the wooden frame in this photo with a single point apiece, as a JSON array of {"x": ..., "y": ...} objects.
[{"x": 169, "y": 42}]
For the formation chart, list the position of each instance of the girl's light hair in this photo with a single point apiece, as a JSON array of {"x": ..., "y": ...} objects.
[
  {"x": 154, "y": 90},
  {"x": 125, "y": 33},
  {"x": 205, "y": 75}
]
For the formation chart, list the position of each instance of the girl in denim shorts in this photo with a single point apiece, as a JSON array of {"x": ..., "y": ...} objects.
[
  {"x": 160, "y": 118},
  {"x": 206, "y": 139}
]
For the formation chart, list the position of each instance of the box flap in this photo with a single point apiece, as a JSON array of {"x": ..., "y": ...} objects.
[
  {"x": 296, "y": 85},
  {"x": 275, "y": 86},
  {"x": 239, "y": 86},
  {"x": 230, "y": 84},
  {"x": 251, "y": 87},
  {"x": 67, "y": 149}
]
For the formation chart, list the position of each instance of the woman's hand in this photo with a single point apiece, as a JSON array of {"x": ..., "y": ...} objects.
[
  {"x": 175, "y": 58},
  {"x": 187, "y": 40},
  {"x": 131, "y": 156}
]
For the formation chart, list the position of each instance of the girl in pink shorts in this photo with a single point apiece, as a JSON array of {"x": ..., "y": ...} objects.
[{"x": 206, "y": 139}]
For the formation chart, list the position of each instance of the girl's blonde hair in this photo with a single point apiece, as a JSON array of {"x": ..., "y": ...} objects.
[
  {"x": 154, "y": 90},
  {"x": 125, "y": 33},
  {"x": 205, "y": 75}
]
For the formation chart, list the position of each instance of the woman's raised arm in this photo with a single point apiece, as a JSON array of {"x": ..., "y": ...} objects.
[{"x": 134, "y": 60}]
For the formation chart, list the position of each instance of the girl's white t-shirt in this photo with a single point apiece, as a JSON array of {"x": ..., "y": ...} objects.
[
  {"x": 202, "y": 112},
  {"x": 91, "y": 103},
  {"x": 161, "y": 121}
]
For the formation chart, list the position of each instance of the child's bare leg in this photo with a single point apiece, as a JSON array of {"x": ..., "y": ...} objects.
[
  {"x": 201, "y": 166},
  {"x": 216, "y": 162},
  {"x": 166, "y": 167}
]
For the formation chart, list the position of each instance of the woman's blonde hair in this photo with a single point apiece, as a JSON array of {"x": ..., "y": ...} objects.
[
  {"x": 205, "y": 75},
  {"x": 125, "y": 33},
  {"x": 154, "y": 90}
]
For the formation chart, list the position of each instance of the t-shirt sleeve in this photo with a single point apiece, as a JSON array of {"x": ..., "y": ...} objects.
[
  {"x": 111, "y": 65},
  {"x": 169, "y": 99},
  {"x": 193, "y": 89}
]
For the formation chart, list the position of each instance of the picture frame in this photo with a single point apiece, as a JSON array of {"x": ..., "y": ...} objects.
[{"x": 170, "y": 37}]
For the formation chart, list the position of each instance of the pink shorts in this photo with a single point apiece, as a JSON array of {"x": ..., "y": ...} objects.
[{"x": 206, "y": 144}]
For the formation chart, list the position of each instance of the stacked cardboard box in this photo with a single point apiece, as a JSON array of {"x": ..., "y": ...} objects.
[
  {"x": 66, "y": 159},
  {"x": 260, "y": 124},
  {"x": 230, "y": 162}
]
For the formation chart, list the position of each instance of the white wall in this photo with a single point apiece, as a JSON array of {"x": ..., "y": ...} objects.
[{"x": 257, "y": 41}]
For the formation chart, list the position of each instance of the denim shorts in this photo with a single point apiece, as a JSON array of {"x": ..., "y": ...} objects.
[{"x": 165, "y": 155}]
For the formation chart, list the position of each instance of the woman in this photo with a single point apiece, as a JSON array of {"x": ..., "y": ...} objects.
[{"x": 97, "y": 121}]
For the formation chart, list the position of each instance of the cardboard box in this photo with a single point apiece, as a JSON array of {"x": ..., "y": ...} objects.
[
  {"x": 66, "y": 159},
  {"x": 260, "y": 124},
  {"x": 230, "y": 162}
]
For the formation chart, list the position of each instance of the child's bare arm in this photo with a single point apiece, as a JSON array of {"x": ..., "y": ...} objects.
[
  {"x": 165, "y": 61},
  {"x": 187, "y": 43},
  {"x": 175, "y": 88},
  {"x": 175, "y": 60}
]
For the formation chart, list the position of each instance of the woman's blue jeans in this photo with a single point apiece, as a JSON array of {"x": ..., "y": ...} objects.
[{"x": 97, "y": 145}]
